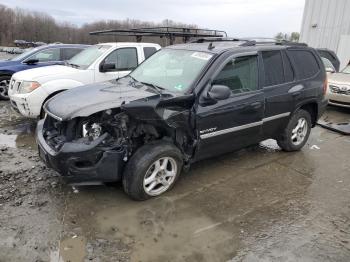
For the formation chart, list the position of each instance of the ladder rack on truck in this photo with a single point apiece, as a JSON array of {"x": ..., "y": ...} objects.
[{"x": 164, "y": 31}]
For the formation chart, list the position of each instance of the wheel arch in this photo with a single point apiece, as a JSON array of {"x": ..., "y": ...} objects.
[
  {"x": 312, "y": 108},
  {"x": 6, "y": 73}
]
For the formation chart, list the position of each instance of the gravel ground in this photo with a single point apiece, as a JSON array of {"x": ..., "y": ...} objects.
[{"x": 257, "y": 204}]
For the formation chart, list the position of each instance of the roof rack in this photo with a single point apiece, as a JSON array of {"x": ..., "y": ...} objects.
[
  {"x": 249, "y": 41},
  {"x": 163, "y": 31}
]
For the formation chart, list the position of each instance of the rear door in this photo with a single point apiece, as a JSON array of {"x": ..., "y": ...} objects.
[
  {"x": 235, "y": 122},
  {"x": 280, "y": 90}
]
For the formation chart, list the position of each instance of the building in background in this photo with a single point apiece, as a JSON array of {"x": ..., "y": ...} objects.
[{"x": 326, "y": 24}]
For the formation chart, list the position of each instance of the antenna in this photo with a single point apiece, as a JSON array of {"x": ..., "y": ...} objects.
[{"x": 211, "y": 46}]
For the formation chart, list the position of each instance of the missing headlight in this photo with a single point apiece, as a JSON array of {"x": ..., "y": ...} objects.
[{"x": 92, "y": 131}]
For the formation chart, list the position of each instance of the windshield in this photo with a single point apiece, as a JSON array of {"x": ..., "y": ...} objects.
[
  {"x": 86, "y": 57},
  {"x": 26, "y": 53},
  {"x": 170, "y": 69},
  {"x": 346, "y": 70}
]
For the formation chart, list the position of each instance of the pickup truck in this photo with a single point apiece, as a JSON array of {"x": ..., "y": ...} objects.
[
  {"x": 30, "y": 89},
  {"x": 47, "y": 55}
]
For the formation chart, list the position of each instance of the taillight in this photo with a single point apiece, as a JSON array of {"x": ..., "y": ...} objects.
[{"x": 325, "y": 84}]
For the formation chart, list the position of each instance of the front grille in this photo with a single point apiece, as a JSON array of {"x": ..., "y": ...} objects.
[
  {"x": 343, "y": 90},
  {"x": 14, "y": 85},
  {"x": 53, "y": 132}
]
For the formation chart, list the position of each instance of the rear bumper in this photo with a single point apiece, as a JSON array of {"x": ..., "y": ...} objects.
[{"x": 78, "y": 162}]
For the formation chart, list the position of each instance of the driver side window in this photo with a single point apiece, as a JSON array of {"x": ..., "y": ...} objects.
[
  {"x": 124, "y": 59},
  {"x": 239, "y": 74},
  {"x": 48, "y": 55}
]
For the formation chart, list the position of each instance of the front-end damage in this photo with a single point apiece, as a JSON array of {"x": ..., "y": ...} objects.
[{"x": 95, "y": 148}]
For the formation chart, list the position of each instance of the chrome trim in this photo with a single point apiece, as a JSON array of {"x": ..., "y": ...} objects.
[
  {"x": 230, "y": 130},
  {"x": 238, "y": 128},
  {"x": 270, "y": 118},
  {"x": 54, "y": 116}
]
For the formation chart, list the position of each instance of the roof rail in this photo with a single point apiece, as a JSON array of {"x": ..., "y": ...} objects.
[
  {"x": 249, "y": 41},
  {"x": 215, "y": 39},
  {"x": 163, "y": 31}
]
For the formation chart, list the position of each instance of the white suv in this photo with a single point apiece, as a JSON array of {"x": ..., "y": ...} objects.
[{"x": 30, "y": 89}]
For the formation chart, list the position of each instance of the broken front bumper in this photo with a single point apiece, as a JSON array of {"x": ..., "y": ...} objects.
[{"x": 78, "y": 162}]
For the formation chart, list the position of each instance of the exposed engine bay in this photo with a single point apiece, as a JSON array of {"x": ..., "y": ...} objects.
[{"x": 117, "y": 128}]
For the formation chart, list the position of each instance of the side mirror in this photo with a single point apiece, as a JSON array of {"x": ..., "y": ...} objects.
[
  {"x": 107, "y": 67},
  {"x": 330, "y": 70},
  {"x": 219, "y": 92},
  {"x": 31, "y": 61}
]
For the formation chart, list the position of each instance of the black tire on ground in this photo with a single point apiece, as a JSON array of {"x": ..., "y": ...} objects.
[
  {"x": 3, "y": 90},
  {"x": 143, "y": 159},
  {"x": 285, "y": 141}
]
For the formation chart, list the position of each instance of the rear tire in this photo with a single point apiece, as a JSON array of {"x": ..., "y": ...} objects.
[
  {"x": 152, "y": 170},
  {"x": 297, "y": 132},
  {"x": 4, "y": 87}
]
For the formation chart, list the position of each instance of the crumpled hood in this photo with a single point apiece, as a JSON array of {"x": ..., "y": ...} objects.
[
  {"x": 89, "y": 99},
  {"x": 339, "y": 78},
  {"x": 38, "y": 74}
]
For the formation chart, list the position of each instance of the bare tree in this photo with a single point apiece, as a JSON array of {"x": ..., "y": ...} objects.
[{"x": 21, "y": 24}]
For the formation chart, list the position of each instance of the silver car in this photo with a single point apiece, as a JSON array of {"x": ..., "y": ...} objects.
[{"x": 338, "y": 91}]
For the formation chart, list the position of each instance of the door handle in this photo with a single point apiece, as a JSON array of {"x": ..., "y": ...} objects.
[{"x": 256, "y": 105}]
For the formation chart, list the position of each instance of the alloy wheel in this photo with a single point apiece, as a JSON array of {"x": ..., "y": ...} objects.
[
  {"x": 299, "y": 132},
  {"x": 160, "y": 176},
  {"x": 4, "y": 87}
]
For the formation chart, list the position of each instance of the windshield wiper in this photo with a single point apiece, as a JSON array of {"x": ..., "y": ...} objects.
[
  {"x": 155, "y": 87},
  {"x": 73, "y": 65}
]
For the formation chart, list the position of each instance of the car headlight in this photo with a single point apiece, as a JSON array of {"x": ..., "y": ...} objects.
[{"x": 28, "y": 86}]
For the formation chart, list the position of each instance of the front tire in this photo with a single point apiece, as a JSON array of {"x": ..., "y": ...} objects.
[
  {"x": 152, "y": 170},
  {"x": 4, "y": 87},
  {"x": 297, "y": 132}
]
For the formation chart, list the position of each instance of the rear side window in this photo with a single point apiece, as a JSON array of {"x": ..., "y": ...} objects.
[
  {"x": 273, "y": 68},
  {"x": 288, "y": 69},
  {"x": 305, "y": 63},
  {"x": 149, "y": 51},
  {"x": 240, "y": 75},
  {"x": 68, "y": 53}
]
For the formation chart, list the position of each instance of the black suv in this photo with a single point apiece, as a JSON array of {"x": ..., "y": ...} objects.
[{"x": 185, "y": 103}]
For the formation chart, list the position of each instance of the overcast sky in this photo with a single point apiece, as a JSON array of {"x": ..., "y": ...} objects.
[{"x": 239, "y": 18}]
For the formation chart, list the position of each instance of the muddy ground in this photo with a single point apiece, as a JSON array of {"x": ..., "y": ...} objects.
[{"x": 257, "y": 204}]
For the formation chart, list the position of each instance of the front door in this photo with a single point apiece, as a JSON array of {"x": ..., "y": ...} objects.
[
  {"x": 235, "y": 122},
  {"x": 124, "y": 60}
]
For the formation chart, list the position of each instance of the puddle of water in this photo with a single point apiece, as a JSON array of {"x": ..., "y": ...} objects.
[
  {"x": 72, "y": 249},
  {"x": 164, "y": 231},
  {"x": 22, "y": 135}
]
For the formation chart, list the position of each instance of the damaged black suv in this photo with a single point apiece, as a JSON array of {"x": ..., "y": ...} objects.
[{"x": 185, "y": 103}]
